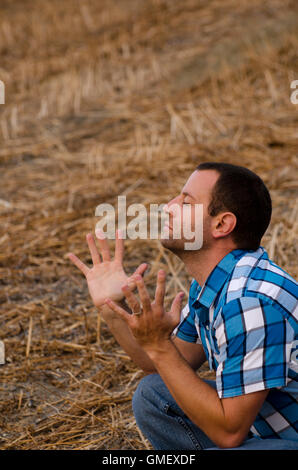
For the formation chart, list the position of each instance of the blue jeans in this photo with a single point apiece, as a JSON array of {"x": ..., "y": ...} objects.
[{"x": 167, "y": 427}]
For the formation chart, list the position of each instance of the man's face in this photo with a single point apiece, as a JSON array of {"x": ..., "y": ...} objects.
[{"x": 182, "y": 211}]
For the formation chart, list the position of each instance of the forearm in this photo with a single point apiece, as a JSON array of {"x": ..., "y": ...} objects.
[
  {"x": 126, "y": 340},
  {"x": 196, "y": 398}
]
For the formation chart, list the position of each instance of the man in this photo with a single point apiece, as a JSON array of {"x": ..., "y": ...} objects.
[{"x": 241, "y": 316}]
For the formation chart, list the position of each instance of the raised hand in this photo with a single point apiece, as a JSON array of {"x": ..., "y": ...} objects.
[
  {"x": 150, "y": 323},
  {"x": 106, "y": 277}
]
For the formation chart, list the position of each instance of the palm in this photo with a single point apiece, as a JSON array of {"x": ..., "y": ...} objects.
[
  {"x": 105, "y": 280},
  {"x": 106, "y": 277}
]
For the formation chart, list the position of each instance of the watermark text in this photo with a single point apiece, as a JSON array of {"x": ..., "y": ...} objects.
[
  {"x": 174, "y": 222},
  {"x": 2, "y": 92}
]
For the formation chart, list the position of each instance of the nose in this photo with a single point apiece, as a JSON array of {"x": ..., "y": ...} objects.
[{"x": 167, "y": 207}]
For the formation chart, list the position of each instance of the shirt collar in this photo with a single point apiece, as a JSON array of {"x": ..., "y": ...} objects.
[{"x": 214, "y": 283}]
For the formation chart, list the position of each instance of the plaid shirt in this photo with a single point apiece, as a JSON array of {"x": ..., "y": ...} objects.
[{"x": 246, "y": 318}]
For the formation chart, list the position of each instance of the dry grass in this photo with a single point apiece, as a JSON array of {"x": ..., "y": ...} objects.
[{"x": 108, "y": 98}]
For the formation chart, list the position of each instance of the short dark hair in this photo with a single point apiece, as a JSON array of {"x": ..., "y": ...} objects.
[{"x": 242, "y": 192}]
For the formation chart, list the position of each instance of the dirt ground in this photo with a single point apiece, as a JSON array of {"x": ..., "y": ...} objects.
[{"x": 117, "y": 98}]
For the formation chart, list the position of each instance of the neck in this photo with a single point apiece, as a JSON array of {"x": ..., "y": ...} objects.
[{"x": 201, "y": 263}]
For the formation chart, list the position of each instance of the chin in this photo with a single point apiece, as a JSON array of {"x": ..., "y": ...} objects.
[{"x": 176, "y": 246}]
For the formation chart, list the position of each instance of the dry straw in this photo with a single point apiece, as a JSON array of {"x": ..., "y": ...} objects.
[{"x": 119, "y": 98}]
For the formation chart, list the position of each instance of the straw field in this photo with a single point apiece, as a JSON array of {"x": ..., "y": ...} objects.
[{"x": 107, "y": 98}]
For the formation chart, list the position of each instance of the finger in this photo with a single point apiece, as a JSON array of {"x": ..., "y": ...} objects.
[
  {"x": 79, "y": 264},
  {"x": 92, "y": 248},
  {"x": 119, "y": 310},
  {"x": 119, "y": 247},
  {"x": 143, "y": 293},
  {"x": 104, "y": 247},
  {"x": 176, "y": 307},
  {"x": 160, "y": 288},
  {"x": 140, "y": 270},
  {"x": 131, "y": 299}
]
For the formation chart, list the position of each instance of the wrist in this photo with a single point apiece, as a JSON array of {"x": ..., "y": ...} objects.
[
  {"x": 108, "y": 313},
  {"x": 158, "y": 352}
]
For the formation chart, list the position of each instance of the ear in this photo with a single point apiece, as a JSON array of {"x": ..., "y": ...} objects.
[{"x": 223, "y": 224}]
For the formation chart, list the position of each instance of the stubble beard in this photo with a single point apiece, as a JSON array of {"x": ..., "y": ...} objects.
[{"x": 177, "y": 246}]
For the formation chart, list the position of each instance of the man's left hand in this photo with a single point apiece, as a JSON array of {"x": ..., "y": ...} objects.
[{"x": 150, "y": 324}]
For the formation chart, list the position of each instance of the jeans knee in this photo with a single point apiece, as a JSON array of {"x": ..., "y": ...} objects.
[{"x": 141, "y": 397}]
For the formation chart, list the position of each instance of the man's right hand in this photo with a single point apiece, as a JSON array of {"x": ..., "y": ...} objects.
[{"x": 106, "y": 277}]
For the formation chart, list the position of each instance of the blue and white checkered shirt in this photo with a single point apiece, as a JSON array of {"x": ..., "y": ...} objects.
[{"x": 246, "y": 318}]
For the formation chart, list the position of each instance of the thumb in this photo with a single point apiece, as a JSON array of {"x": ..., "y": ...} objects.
[
  {"x": 176, "y": 307},
  {"x": 140, "y": 270}
]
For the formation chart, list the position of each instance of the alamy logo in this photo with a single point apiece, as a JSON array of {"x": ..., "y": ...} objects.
[
  {"x": 186, "y": 222},
  {"x": 294, "y": 95},
  {"x": 2, "y": 92}
]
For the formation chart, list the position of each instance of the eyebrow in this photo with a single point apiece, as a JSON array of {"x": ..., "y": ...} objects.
[{"x": 185, "y": 193}]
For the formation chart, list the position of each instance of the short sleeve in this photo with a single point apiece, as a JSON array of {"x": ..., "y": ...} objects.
[{"x": 254, "y": 341}]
